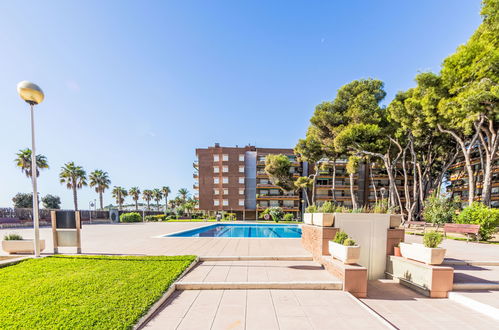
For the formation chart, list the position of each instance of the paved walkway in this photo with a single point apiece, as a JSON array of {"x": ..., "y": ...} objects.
[
  {"x": 407, "y": 309},
  {"x": 142, "y": 238},
  {"x": 476, "y": 274},
  {"x": 258, "y": 271},
  {"x": 262, "y": 310}
]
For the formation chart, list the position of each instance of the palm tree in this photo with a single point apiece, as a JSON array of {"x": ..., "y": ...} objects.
[
  {"x": 147, "y": 196},
  {"x": 135, "y": 192},
  {"x": 119, "y": 194},
  {"x": 183, "y": 194},
  {"x": 74, "y": 177},
  {"x": 23, "y": 161},
  {"x": 165, "y": 191},
  {"x": 100, "y": 180},
  {"x": 157, "y": 196}
]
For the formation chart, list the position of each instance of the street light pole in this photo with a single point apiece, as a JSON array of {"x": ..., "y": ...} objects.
[
  {"x": 36, "y": 223},
  {"x": 33, "y": 94}
]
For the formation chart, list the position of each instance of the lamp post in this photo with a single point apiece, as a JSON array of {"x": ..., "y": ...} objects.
[{"x": 33, "y": 95}]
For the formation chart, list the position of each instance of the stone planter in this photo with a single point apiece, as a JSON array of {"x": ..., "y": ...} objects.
[
  {"x": 347, "y": 254},
  {"x": 396, "y": 251},
  {"x": 323, "y": 219},
  {"x": 419, "y": 252},
  {"x": 308, "y": 218},
  {"x": 21, "y": 246}
]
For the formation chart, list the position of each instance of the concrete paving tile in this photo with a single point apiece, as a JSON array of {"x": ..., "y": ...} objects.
[
  {"x": 231, "y": 312},
  {"x": 202, "y": 311},
  {"x": 260, "y": 313},
  {"x": 294, "y": 323}
]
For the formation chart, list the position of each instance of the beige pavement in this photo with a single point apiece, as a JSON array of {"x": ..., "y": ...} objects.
[
  {"x": 142, "y": 238},
  {"x": 263, "y": 309},
  {"x": 407, "y": 309}
]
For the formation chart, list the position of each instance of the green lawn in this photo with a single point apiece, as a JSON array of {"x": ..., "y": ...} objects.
[{"x": 81, "y": 292}]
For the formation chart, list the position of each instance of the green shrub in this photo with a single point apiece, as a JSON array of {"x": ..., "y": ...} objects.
[
  {"x": 349, "y": 242},
  {"x": 13, "y": 237},
  {"x": 439, "y": 210},
  {"x": 479, "y": 214},
  {"x": 153, "y": 218},
  {"x": 311, "y": 209},
  {"x": 327, "y": 207},
  {"x": 276, "y": 213},
  {"x": 340, "y": 237},
  {"x": 432, "y": 239},
  {"x": 381, "y": 206},
  {"x": 288, "y": 217},
  {"x": 230, "y": 217},
  {"x": 130, "y": 217}
]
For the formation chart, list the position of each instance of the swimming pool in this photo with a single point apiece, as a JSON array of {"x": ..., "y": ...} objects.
[{"x": 242, "y": 230}]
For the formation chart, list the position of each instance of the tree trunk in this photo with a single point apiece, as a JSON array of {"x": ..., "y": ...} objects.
[
  {"x": 490, "y": 145},
  {"x": 148, "y": 205},
  {"x": 166, "y": 203},
  {"x": 100, "y": 200},
  {"x": 314, "y": 182},
  {"x": 333, "y": 185},
  {"x": 372, "y": 182},
  {"x": 352, "y": 193},
  {"x": 136, "y": 205},
  {"x": 466, "y": 150},
  {"x": 75, "y": 197}
]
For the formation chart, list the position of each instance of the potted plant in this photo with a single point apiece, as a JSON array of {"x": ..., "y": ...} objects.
[
  {"x": 14, "y": 243},
  {"x": 428, "y": 252},
  {"x": 325, "y": 215},
  {"x": 344, "y": 248},
  {"x": 396, "y": 250},
  {"x": 309, "y": 214}
]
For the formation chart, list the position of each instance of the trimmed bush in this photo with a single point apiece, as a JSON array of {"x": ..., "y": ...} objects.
[
  {"x": 327, "y": 207},
  {"x": 288, "y": 217},
  {"x": 432, "y": 239},
  {"x": 340, "y": 237},
  {"x": 349, "y": 242},
  {"x": 276, "y": 213},
  {"x": 439, "y": 210},
  {"x": 311, "y": 209},
  {"x": 153, "y": 218},
  {"x": 130, "y": 217},
  {"x": 13, "y": 237},
  {"x": 479, "y": 214}
]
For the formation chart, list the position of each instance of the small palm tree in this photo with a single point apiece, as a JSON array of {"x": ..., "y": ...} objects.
[
  {"x": 135, "y": 193},
  {"x": 165, "y": 191},
  {"x": 119, "y": 194},
  {"x": 147, "y": 196},
  {"x": 183, "y": 194},
  {"x": 23, "y": 161},
  {"x": 74, "y": 177},
  {"x": 157, "y": 196},
  {"x": 100, "y": 180}
]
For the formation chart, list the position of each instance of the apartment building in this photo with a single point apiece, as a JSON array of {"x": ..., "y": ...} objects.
[
  {"x": 232, "y": 179},
  {"x": 458, "y": 178}
]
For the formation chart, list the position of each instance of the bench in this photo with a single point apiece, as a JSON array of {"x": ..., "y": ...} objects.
[
  {"x": 462, "y": 229},
  {"x": 417, "y": 224}
]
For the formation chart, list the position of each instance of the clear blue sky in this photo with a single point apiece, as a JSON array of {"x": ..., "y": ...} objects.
[{"x": 133, "y": 87}]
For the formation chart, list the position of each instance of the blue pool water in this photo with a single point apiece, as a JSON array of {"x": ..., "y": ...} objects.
[{"x": 242, "y": 230}]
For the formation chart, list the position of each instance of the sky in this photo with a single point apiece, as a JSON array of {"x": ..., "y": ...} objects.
[{"x": 133, "y": 87}]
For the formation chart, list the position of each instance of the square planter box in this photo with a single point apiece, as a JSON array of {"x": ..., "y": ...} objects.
[
  {"x": 308, "y": 218},
  {"x": 347, "y": 254},
  {"x": 323, "y": 219},
  {"x": 22, "y": 246},
  {"x": 419, "y": 252}
]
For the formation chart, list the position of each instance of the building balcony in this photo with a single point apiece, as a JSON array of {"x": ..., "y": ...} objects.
[
  {"x": 277, "y": 197},
  {"x": 266, "y": 185},
  {"x": 195, "y": 186},
  {"x": 284, "y": 208},
  {"x": 195, "y": 175},
  {"x": 195, "y": 164}
]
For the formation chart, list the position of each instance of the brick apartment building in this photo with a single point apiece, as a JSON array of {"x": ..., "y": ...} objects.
[{"x": 233, "y": 179}]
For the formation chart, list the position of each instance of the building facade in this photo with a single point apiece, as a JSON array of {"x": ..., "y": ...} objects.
[{"x": 233, "y": 179}]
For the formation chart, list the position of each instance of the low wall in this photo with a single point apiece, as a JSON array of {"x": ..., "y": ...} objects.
[
  {"x": 394, "y": 237},
  {"x": 316, "y": 239}
]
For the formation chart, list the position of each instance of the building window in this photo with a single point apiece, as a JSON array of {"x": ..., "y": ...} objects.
[
  {"x": 274, "y": 191},
  {"x": 289, "y": 204},
  {"x": 216, "y": 169},
  {"x": 225, "y": 202},
  {"x": 225, "y": 157},
  {"x": 241, "y": 202},
  {"x": 225, "y": 169},
  {"x": 225, "y": 179},
  {"x": 216, "y": 158},
  {"x": 274, "y": 203},
  {"x": 226, "y": 191},
  {"x": 264, "y": 192},
  {"x": 241, "y": 179},
  {"x": 216, "y": 180},
  {"x": 241, "y": 191},
  {"x": 216, "y": 202},
  {"x": 241, "y": 169},
  {"x": 216, "y": 191},
  {"x": 241, "y": 157}
]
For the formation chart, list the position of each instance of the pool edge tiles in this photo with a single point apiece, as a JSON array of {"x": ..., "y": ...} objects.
[{"x": 224, "y": 230}]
